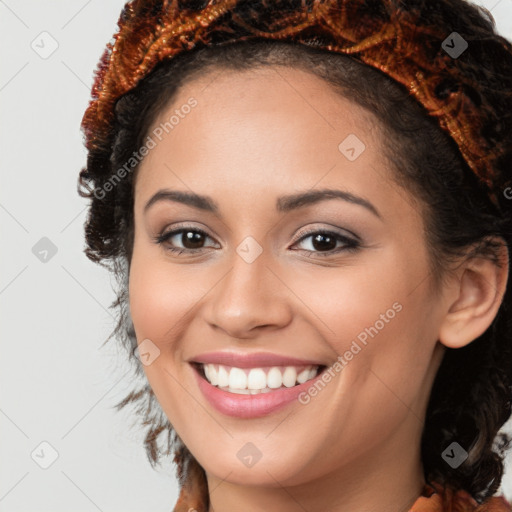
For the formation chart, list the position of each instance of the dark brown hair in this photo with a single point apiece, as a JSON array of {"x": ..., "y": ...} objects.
[{"x": 472, "y": 392}]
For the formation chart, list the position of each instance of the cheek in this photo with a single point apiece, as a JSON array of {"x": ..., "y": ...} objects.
[
  {"x": 160, "y": 296},
  {"x": 148, "y": 298},
  {"x": 345, "y": 301},
  {"x": 160, "y": 305},
  {"x": 379, "y": 317}
]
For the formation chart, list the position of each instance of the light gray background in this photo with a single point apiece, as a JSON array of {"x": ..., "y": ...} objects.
[{"x": 57, "y": 385}]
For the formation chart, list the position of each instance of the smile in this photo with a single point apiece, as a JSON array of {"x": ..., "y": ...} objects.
[
  {"x": 231, "y": 399},
  {"x": 252, "y": 381}
]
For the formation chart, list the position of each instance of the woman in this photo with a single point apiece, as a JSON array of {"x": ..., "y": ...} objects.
[{"x": 308, "y": 207}]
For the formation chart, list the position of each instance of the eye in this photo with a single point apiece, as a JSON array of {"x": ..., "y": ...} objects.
[
  {"x": 190, "y": 237},
  {"x": 322, "y": 243}
]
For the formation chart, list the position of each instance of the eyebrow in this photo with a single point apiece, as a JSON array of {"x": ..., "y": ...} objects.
[{"x": 283, "y": 204}]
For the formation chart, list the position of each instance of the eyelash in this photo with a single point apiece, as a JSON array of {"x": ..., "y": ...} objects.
[{"x": 351, "y": 245}]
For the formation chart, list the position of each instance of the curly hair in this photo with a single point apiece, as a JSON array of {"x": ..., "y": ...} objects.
[{"x": 463, "y": 109}]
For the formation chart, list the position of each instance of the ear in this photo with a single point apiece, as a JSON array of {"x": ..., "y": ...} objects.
[{"x": 474, "y": 297}]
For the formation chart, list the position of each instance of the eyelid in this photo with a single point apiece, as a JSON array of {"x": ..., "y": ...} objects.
[
  {"x": 185, "y": 226},
  {"x": 297, "y": 238},
  {"x": 351, "y": 242},
  {"x": 323, "y": 229},
  {"x": 166, "y": 234}
]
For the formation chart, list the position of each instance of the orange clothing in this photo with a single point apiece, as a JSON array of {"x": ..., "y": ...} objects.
[{"x": 434, "y": 498}]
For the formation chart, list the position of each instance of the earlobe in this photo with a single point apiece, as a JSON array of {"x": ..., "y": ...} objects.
[{"x": 478, "y": 292}]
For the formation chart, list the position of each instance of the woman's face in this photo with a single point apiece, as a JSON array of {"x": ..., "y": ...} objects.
[{"x": 340, "y": 281}]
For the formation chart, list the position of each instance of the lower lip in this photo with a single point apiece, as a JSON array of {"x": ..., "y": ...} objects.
[{"x": 251, "y": 406}]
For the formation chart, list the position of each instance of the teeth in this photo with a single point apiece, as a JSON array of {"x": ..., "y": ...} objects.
[
  {"x": 301, "y": 378},
  {"x": 257, "y": 380},
  {"x": 222, "y": 377},
  {"x": 274, "y": 378},
  {"x": 237, "y": 379},
  {"x": 289, "y": 376}
]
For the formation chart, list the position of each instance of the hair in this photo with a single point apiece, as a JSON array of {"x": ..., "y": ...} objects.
[{"x": 472, "y": 393}]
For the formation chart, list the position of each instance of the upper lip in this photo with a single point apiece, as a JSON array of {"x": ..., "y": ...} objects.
[{"x": 251, "y": 360}]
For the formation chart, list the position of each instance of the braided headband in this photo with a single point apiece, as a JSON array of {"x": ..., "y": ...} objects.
[{"x": 463, "y": 93}]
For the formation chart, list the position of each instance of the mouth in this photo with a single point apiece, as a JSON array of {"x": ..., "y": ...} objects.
[{"x": 257, "y": 380}]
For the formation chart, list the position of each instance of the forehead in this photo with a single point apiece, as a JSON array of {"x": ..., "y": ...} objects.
[
  {"x": 266, "y": 132},
  {"x": 296, "y": 92},
  {"x": 273, "y": 111}
]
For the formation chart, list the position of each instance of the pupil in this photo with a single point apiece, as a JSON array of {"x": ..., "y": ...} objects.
[
  {"x": 192, "y": 237},
  {"x": 193, "y": 240},
  {"x": 317, "y": 242}
]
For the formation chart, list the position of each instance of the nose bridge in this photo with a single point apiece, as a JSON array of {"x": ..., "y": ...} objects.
[{"x": 249, "y": 295}]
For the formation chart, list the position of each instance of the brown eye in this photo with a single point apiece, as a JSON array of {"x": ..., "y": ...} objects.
[
  {"x": 324, "y": 242},
  {"x": 192, "y": 239}
]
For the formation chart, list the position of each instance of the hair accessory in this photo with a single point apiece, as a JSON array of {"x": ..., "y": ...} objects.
[{"x": 469, "y": 94}]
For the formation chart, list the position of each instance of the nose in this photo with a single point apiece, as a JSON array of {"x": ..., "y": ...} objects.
[{"x": 250, "y": 297}]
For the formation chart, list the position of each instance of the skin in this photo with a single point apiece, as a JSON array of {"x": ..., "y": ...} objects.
[{"x": 254, "y": 136}]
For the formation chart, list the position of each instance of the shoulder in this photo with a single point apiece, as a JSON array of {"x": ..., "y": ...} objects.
[{"x": 437, "y": 498}]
